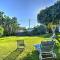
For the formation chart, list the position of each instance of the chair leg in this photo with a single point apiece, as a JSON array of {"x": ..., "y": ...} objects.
[{"x": 40, "y": 57}]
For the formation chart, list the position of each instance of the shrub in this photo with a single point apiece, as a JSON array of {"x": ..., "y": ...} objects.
[{"x": 1, "y": 31}]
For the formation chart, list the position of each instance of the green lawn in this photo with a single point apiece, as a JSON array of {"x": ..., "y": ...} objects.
[{"x": 8, "y": 46}]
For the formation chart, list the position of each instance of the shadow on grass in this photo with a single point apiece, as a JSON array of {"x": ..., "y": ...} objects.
[
  {"x": 13, "y": 55},
  {"x": 35, "y": 55},
  {"x": 57, "y": 49},
  {"x": 58, "y": 54},
  {"x": 32, "y": 56}
]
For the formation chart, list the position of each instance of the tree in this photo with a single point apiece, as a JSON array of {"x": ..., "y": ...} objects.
[
  {"x": 9, "y": 24},
  {"x": 14, "y": 25},
  {"x": 1, "y": 31},
  {"x": 39, "y": 30},
  {"x": 1, "y": 17},
  {"x": 6, "y": 25},
  {"x": 50, "y": 16}
]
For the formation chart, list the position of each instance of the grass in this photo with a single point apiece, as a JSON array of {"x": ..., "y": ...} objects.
[
  {"x": 8, "y": 45},
  {"x": 33, "y": 56}
]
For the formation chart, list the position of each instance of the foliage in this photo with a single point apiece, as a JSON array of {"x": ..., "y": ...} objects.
[
  {"x": 9, "y": 24},
  {"x": 38, "y": 30},
  {"x": 1, "y": 31},
  {"x": 50, "y": 15}
]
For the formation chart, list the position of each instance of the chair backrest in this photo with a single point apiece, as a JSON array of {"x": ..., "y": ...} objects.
[
  {"x": 47, "y": 46},
  {"x": 20, "y": 43}
]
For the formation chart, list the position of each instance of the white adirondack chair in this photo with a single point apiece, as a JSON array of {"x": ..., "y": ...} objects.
[
  {"x": 46, "y": 50},
  {"x": 20, "y": 44}
]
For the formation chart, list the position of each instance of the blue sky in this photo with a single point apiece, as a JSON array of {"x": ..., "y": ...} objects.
[{"x": 24, "y": 9}]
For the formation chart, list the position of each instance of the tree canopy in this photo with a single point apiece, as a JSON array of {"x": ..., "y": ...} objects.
[
  {"x": 9, "y": 24},
  {"x": 50, "y": 14},
  {"x": 50, "y": 17},
  {"x": 39, "y": 30}
]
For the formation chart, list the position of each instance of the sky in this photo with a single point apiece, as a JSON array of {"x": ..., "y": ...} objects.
[{"x": 25, "y": 10}]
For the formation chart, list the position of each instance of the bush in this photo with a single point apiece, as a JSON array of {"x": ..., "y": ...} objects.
[
  {"x": 39, "y": 30},
  {"x": 1, "y": 31}
]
